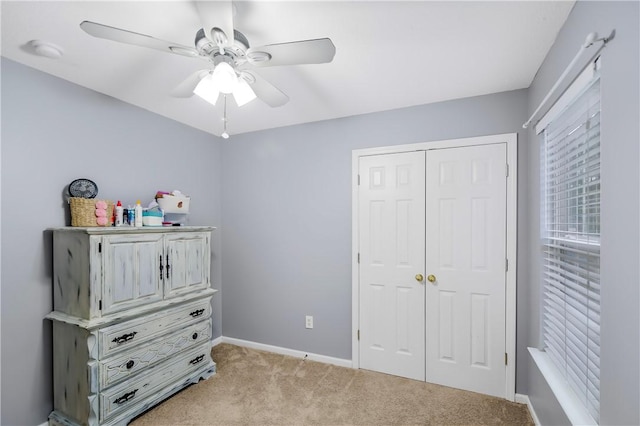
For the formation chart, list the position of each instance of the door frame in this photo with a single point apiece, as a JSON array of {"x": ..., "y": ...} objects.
[{"x": 511, "y": 140}]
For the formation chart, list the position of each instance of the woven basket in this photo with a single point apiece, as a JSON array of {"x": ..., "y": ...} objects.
[{"x": 83, "y": 211}]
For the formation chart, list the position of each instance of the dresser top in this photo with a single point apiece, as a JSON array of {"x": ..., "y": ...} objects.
[{"x": 105, "y": 230}]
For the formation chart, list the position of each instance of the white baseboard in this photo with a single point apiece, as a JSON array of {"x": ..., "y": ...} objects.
[
  {"x": 524, "y": 399},
  {"x": 216, "y": 341},
  {"x": 340, "y": 362}
]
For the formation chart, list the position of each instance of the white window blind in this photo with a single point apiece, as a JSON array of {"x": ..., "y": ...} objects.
[{"x": 571, "y": 243}]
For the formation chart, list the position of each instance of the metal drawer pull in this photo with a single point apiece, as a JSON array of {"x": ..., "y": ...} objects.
[
  {"x": 195, "y": 336},
  {"x": 126, "y": 397},
  {"x": 197, "y": 313},
  {"x": 168, "y": 266},
  {"x": 161, "y": 267},
  {"x": 197, "y": 359},
  {"x": 124, "y": 337},
  {"x": 130, "y": 365}
]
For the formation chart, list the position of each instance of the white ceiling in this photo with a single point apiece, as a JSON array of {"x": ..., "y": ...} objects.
[{"x": 388, "y": 54}]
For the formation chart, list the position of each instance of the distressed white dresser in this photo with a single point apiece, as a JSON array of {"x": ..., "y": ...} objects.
[{"x": 131, "y": 319}]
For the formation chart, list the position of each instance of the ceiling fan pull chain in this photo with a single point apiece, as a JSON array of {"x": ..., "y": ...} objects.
[{"x": 224, "y": 134}]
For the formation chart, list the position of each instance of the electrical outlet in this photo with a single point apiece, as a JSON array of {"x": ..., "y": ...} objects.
[{"x": 308, "y": 321}]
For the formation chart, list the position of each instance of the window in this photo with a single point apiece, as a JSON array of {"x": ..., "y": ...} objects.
[{"x": 570, "y": 228}]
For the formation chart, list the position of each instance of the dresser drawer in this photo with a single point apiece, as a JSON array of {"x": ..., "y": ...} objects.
[
  {"x": 120, "y": 367},
  {"x": 128, "y": 334},
  {"x": 147, "y": 384}
]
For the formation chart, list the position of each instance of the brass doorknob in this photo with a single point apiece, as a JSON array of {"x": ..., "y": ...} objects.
[
  {"x": 432, "y": 278},
  {"x": 419, "y": 277}
]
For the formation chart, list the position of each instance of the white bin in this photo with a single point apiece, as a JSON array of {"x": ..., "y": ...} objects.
[{"x": 173, "y": 204}]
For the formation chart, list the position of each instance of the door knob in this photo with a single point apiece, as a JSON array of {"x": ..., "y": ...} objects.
[
  {"x": 419, "y": 277},
  {"x": 431, "y": 278}
]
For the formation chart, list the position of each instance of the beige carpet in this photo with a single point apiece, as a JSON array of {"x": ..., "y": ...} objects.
[{"x": 261, "y": 388}]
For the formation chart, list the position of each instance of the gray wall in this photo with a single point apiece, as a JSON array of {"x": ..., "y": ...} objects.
[
  {"x": 620, "y": 330},
  {"x": 52, "y": 132},
  {"x": 287, "y": 216},
  {"x": 285, "y": 197}
]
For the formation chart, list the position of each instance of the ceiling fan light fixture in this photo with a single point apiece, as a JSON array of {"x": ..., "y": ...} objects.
[
  {"x": 225, "y": 78},
  {"x": 243, "y": 93},
  {"x": 207, "y": 89}
]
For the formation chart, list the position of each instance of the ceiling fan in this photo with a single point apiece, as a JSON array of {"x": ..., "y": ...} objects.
[{"x": 231, "y": 59}]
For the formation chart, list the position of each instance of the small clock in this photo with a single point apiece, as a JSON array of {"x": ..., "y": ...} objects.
[{"x": 83, "y": 188}]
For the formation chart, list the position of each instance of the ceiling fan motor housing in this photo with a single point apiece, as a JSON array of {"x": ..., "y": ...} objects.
[{"x": 236, "y": 51}]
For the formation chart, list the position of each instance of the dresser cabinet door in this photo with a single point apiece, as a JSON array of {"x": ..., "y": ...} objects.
[
  {"x": 187, "y": 255},
  {"x": 132, "y": 267}
]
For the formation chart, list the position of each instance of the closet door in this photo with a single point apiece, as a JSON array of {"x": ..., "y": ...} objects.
[
  {"x": 466, "y": 256},
  {"x": 391, "y": 199}
]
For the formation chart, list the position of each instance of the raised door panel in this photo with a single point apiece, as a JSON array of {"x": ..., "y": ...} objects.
[
  {"x": 187, "y": 260},
  {"x": 391, "y": 248},
  {"x": 466, "y": 251},
  {"x": 132, "y": 271}
]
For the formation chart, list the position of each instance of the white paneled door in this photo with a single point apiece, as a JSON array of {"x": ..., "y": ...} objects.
[
  {"x": 466, "y": 256},
  {"x": 391, "y": 217},
  {"x": 432, "y": 244}
]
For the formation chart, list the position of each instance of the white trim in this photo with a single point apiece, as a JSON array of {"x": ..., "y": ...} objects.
[
  {"x": 511, "y": 139},
  {"x": 216, "y": 341},
  {"x": 426, "y": 146},
  {"x": 573, "y": 408},
  {"x": 355, "y": 249},
  {"x": 524, "y": 399},
  {"x": 511, "y": 275},
  {"x": 340, "y": 362},
  {"x": 44, "y": 424}
]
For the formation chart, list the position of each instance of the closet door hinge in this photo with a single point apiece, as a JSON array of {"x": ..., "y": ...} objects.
[
  {"x": 358, "y": 180},
  {"x": 358, "y": 257},
  {"x": 507, "y": 170},
  {"x": 505, "y": 358},
  {"x": 358, "y": 334},
  {"x": 506, "y": 265}
]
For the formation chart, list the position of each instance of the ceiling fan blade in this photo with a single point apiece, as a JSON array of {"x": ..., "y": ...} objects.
[
  {"x": 136, "y": 39},
  {"x": 186, "y": 88},
  {"x": 216, "y": 14},
  {"x": 266, "y": 91},
  {"x": 318, "y": 51}
]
